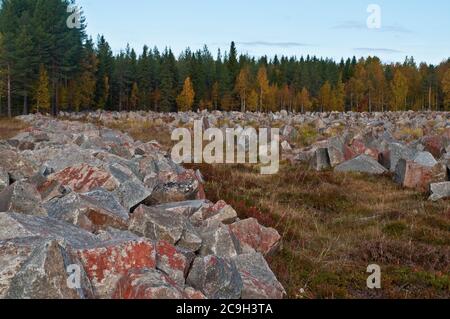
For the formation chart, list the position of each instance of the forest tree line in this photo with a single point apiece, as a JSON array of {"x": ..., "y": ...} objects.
[{"x": 45, "y": 66}]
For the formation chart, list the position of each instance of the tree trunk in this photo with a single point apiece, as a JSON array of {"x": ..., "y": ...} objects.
[
  {"x": 437, "y": 101},
  {"x": 53, "y": 97},
  {"x": 351, "y": 101},
  {"x": 120, "y": 101},
  {"x": 25, "y": 104},
  {"x": 54, "y": 91},
  {"x": 9, "y": 93},
  {"x": 260, "y": 100},
  {"x": 56, "y": 99},
  {"x": 429, "y": 98}
]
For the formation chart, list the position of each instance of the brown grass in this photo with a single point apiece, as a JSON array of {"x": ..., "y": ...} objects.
[
  {"x": 144, "y": 131},
  {"x": 10, "y": 127},
  {"x": 335, "y": 225}
]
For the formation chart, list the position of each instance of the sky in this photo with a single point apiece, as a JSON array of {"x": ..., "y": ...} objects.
[{"x": 325, "y": 28}]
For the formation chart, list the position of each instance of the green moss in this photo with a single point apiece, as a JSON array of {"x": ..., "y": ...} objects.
[
  {"x": 395, "y": 229},
  {"x": 432, "y": 236},
  {"x": 421, "y": 279}
]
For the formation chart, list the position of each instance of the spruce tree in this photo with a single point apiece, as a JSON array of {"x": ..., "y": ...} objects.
[
  {"x": 232, "y": 63},
  {"x": 104, "y": 73},
  {"x": 42, "y": 93},
  {"x": 169, "y": 80}
]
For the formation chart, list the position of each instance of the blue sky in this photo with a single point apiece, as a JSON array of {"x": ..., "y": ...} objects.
[{"x": 326, "y": 28}]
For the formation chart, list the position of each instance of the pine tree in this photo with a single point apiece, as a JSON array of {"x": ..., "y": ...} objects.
[
  {"x": 143, "y": 78},
  {"x": 224, "y": 79},
  {"x": 215, "y": 95},
  {"x": 24, "y": 62},
  {"x": 134, "y": 97},
  {"x": 42, "y": 93},
  {"x": 242, "y": 86},
  {"x": 252, "y": 102},
  {"x": 263, "y": 86},
  {"x": 285, "y": 98},
  {"x": 186, "y": 98},
  {"x": 87, "y": 80},
  {"x": 169, "y": 80},
  {"x": 17, "y": 57},
  {"x": 339, "y": 96},
  {"x": 226, "y": 102},
  {"x": 105, "y": 92},
  {"x": 104, "y": 73},
  {"x": 119, "y": 76},
  {"x": 359, "y": 84},
  {"x": 35, "y": 32},
  {"x": 325, "y": 97},
  {"x": 399, "y": 87},
  {"x": 2, "y": 90},
  {"x": 446, "y": 89},
  {"x": 3, "y": 74},
  {"x": 59, "y": 48},
  {"x": 303, "y": 99},
  {"x": 232, "y": 62},
  {"x": 376, "y": 83}
]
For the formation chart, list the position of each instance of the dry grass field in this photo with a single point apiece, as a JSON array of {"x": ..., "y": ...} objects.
[
  {"x": 335, "y": 225},
  {"x": 10, "y": 127}
]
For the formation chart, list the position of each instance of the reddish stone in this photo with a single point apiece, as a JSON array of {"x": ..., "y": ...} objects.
[
  {"x": 171, "y": 261},
  {"x": 105, "y": 264},
  {"x": 201, "y": 195},
  {"x": 83, "y": 178},
  {"x": 349, "y": 153},
  {"x": 434, "y": 144},
  {"x": 147, "y": 284},
  {"x": 49, "y": 190},
  {"x": 254, "y": 237},
  {"x": 374, "y": 153},
  {"x": 220, "y": 212},
  {"x": 148, "y": 148},
  {"x": 259, "y": 282},
  {"x": 193, "y": 294},
  {"x": 353, "y": 150},
  {"x": 174, "y": 259},
  {"x": 419, "y": 177},
  {"x": 218, "y": 206},
  {"x": 358, "y": 147}
]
